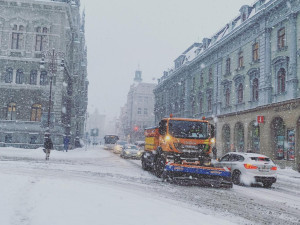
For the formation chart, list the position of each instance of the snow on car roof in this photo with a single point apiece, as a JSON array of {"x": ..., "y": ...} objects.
[{"x": 250, "y": 154}]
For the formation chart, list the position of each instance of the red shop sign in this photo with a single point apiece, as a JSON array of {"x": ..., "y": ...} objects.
[{"x": 260, "y": 119}]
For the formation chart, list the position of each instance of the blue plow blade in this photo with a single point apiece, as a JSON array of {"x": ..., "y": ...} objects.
[{"x": 199, "y": 170}]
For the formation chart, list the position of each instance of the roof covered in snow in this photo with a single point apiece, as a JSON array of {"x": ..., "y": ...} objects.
[{"x": 197, "y": 49}]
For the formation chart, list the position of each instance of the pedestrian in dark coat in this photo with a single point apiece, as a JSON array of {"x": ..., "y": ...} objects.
[
  {"x": 48, "y": 145},
  {"x": 66, "y": 143}
]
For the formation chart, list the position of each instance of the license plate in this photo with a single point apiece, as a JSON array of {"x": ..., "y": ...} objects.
[{"x": 264, "y": 170}]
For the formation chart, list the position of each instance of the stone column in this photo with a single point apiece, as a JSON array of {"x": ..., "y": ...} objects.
[
  {"x": 292, "y": 80},
  {"x": 14, "y": 76},
  {"x": 217, "y": 88},
  {"x": 38, "y": 79},
  {"x": 265, "y": 80},
  {"x": 187, "y": 101}
]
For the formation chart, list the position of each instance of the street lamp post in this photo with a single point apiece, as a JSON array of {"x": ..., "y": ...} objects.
[{"x": 52, "y": 69}]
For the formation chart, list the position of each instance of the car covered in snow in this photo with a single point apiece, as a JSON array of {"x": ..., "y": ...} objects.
[
  {"x": 131, "y": 151},
  {"x": 249, "y": 168},
  {"x": 119, "y": 146}
]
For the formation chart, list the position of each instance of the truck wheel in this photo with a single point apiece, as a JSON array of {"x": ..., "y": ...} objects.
[
  {"x": 144, "y": 164},
  {"x": 159, "y": 165},
  {"x": 236, "y": 177}
]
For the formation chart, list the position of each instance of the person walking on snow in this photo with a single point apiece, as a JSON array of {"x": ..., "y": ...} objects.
[
  {"x": 48, "y": 145},
  {"x": 66, "y": 143}
]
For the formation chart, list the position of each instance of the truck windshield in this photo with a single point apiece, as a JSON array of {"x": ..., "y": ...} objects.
[{"x": 188, "y": 129}]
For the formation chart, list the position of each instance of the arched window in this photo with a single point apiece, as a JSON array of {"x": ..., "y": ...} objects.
[
  {"x": 227, "y": 97},
  {"x": 255, "y": 90},
  {"x": 281, "y": 81},
  {"x": 240, "y": 93},
  {"x": 19, "y": 76},
  {"x": 9, "y": 75},
  {"x": 278, "y": 137},
  {"x": 226, "y": 138},
  {"x": 239, "y": 137},
  {"x": 11, "y": 111},
  {"x": 44, "y": 78},
  {"x": 36, "y": 112},
  {"x": 33, "y": 77},
  {"x": 254, "y": 137}
]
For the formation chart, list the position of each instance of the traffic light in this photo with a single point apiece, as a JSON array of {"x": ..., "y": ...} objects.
[{"x": 136, "y": 128}]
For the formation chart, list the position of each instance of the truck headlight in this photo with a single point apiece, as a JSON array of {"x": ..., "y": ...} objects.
[{"x": 213, "y": 141}]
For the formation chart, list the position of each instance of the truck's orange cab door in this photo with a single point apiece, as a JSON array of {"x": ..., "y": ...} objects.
[{"x": 162, "y": 134}]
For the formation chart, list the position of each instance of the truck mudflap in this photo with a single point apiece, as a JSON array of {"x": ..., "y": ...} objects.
[{"x": 197, "y": 175}]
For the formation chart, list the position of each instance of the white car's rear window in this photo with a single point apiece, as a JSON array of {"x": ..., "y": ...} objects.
[{"x": 262, "y": 159}]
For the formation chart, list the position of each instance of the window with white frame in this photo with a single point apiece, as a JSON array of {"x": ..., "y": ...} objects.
[
  {"x": 41, "y": 38},
  {"x": 11, "y": 111},
  {"x": 17, "y": 37},
  {"x": 281, "y": 81},
  {"x": 9, "y": 75},
  {"x": 19, "y": 76}
]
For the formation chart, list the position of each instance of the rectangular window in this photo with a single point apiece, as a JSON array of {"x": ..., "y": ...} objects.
[
  {"x": 201, "y": 80},
  {"x": 17, "y": 39},
  {"x": 210, "y": 75},
  {"x": 145, "y": 111},
  {"x": 194, "y": 84},
  {"x": 241, "y": 60},
  {"x": 281, "y": 38},
  {"x": 209, "y": 106},
  {"x": 228, "y": 66},
  {"x": 255, "y": 54},
  {"x": 8, "y": 138},
  {"x": 139, "y": 111}
]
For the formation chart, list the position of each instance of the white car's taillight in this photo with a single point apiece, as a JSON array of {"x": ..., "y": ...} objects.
[{"x": 250, "y": 166}]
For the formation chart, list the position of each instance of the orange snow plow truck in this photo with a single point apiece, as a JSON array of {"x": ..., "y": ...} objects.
[{"x": 178, "y": 150}]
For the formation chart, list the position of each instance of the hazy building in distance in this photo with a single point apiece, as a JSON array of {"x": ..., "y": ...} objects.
[{"x": 139, "y": 109}]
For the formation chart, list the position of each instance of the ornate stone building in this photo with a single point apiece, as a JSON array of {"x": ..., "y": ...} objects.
[
  {"x": 245, "y": 78},
  {"x": 137, "y": 113},
  {"x": 28, "y": 30}
]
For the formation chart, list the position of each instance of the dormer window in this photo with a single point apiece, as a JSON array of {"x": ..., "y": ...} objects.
[
  {"x": 245, "y": 11},
  {"x": 244, "y": 17}
]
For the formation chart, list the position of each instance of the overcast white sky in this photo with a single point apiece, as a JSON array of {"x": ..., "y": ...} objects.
[{"x": 122, "y": 34}]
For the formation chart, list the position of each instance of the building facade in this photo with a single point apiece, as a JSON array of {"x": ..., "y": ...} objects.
[
  {"x": 29, "y": 30},
  {"x": 245, "y": 79},
  {"x": 138, "y": 111}
]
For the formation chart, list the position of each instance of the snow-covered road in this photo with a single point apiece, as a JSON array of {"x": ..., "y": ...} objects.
[{"x": 95, "y": 186}]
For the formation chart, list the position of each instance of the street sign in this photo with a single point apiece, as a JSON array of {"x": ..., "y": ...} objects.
[
  {"x": 260, "y": 119},
  {"x": 95, "y": 132}
]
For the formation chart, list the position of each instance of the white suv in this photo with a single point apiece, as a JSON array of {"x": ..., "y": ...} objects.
[{"x": 249, "y": 168}]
